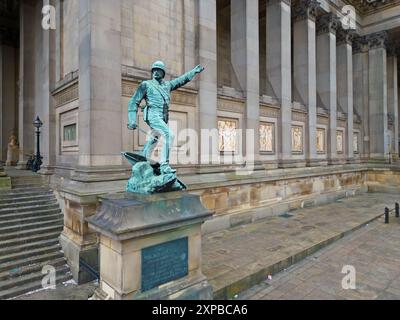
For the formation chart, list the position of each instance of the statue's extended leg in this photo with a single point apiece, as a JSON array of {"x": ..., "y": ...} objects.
[
  {"x": 150, "y": 145},
  {"x": 160, "y": 126}
]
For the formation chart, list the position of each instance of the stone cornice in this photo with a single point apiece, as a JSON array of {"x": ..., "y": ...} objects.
[
  {"x": 328, "y": 22},
  {"x": 366, "y": 7},
  {"x": 305, "y": 9},
  {"x": 377, "y": 40},
  {"x": 344, "y": 36}
]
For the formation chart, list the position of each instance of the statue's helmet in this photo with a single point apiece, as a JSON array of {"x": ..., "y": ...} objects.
[{"x": 158, "y": 65}]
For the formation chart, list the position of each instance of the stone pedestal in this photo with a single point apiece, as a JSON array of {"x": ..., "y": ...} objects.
[
  {"x": 5, "y": 182},
  {"x": 150, "y": 246}
]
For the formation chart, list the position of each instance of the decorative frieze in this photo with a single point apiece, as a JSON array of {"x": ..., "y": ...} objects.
[
  {"x": 230, "y": 106},
  {"x": 328, "y": 22},
  {"x": 269, "y": 112},
  {"x": 377, "y": 40},
  {"x": 66, "y": 96},
  {"x": 305, "y": 9},
  {"x": 299, "y": 116}
]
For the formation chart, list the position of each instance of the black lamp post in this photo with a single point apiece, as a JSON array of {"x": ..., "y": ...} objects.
[{"x": 37, "y": 161}]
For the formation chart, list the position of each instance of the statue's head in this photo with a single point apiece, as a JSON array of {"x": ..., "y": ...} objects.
[{"x": 158, "y": 70}]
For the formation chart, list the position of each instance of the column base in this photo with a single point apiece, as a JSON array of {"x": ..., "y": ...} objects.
[
  {"x": 291, "y": 163},
  {"x": 75, "y": 253},
  {"x": 316, "y": 162}
]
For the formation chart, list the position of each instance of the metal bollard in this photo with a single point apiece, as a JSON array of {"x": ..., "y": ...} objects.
[
  {"x": 386, "y": 215},
  {"x": 397, "y": 206}
]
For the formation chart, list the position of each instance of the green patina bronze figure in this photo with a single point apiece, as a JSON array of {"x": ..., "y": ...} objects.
[{"x": 149, "y": 176}]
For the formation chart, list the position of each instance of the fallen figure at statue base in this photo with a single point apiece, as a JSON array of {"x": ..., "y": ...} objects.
[{"x": 146, "y": 176}]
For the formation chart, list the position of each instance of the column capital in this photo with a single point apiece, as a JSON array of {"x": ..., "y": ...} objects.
[
  {"x": 305, "y": 9},
  {"x": 344, "y": 36},
  {"x": 328, "y": 22},
  {"x": 288, "y": 2},
  {"x": 393, "y": 48},
  {"x": 377, "y": 40},
  {"x": 360, "y": 44}
]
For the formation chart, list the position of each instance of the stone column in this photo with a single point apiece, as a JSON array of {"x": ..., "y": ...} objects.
[
  {"x": 304, "y": 69},
  {"x": 47, "y": 114},
  {"x": 393, "y": 101},
  {"x": 344, "y": 52},
  {"x": 1, "y": 108},
  {"x": 279, "y": 70},
  {"x": 100, "y": 134},
  {"x": 207, "y": 55},
  {"x": 245, "y": 61},
  {"x": 27, "y": 64},
  {"x": 99, "y": 126},
  {"x": 326, "y": 76},
  {"x": 378, "y": 118},
  {"x": 360, "y": 91}
]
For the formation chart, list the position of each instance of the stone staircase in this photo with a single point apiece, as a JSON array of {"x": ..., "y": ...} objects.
[{"x": 30, "y": 225}]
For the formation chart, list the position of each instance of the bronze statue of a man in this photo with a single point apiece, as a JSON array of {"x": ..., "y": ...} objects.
[{"x": 157, "y": 94}]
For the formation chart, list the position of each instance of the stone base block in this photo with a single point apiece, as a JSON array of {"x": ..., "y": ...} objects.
[
  {"x": 195, "y": 289},
  {"x": 5, "y": 182},
  {"x": 77, "y": 256}
]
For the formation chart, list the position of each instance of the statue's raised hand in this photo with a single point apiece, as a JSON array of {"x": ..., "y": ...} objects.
[{"x": 198, "y": 69}]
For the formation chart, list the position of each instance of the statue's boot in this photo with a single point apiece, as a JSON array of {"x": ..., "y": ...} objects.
[{"x": 166, "y": 169}]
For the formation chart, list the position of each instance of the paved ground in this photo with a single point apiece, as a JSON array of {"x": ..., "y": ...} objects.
[
  {"x": 239, "y": 258},
  {"x": 63, "y": 292},
  {"x": 374, "y": 251},
  {"x": 236, "y": 259}
]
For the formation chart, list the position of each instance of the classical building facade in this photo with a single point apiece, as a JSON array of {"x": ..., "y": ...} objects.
[{"x": 309, "y": 90}]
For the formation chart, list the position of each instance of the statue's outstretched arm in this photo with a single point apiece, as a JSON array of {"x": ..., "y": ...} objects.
[
  {"x": 185, "y": 78},
  {"x": 134, "y": 103}
]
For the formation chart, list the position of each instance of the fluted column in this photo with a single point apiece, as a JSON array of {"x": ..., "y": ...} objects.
[
  {"x": 344, "y": 52},
  {"x": 360, "y": 91},
  {"x": 207, "y": 96},
  {"x": 47, "y": 112},
  {"x": 326, "y": 76},
  {"x": 393, "y": 100},
  {"x": 378, "y": 118},
  {"x": 26, "y": 103},
  {"x": 279, "y": 70},
  {"x": 245, "y": 61},
  {"x": 304, "y": 69}
]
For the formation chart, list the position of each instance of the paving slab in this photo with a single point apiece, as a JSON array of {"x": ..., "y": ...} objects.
[{"x": 239, "y": 258}]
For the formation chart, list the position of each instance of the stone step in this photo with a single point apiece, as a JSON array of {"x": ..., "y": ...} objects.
[
  {"x": 33, "y": 238},
  {"x": 12, "y": 200},
  {"x": 53, "y": 205},
  {"x": 31, "y": 286},
  {"x": 31, "y": 225},
  {"x": 37, "y": 218},
  {"x": 32, "y": 184},
  {"x": 30, "y": 253},
  {"x": 35, "y": 202},
  {"x": 25, "y": 215},
  {"x": 30, "y": 232},
  {"x": 29, "y": 278},
  {"x": 17, "y": 272},
  {"x": 28, "y": 246},
  {"x": 20, "y": 192},
  {"x": 47, "y": 257}
]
